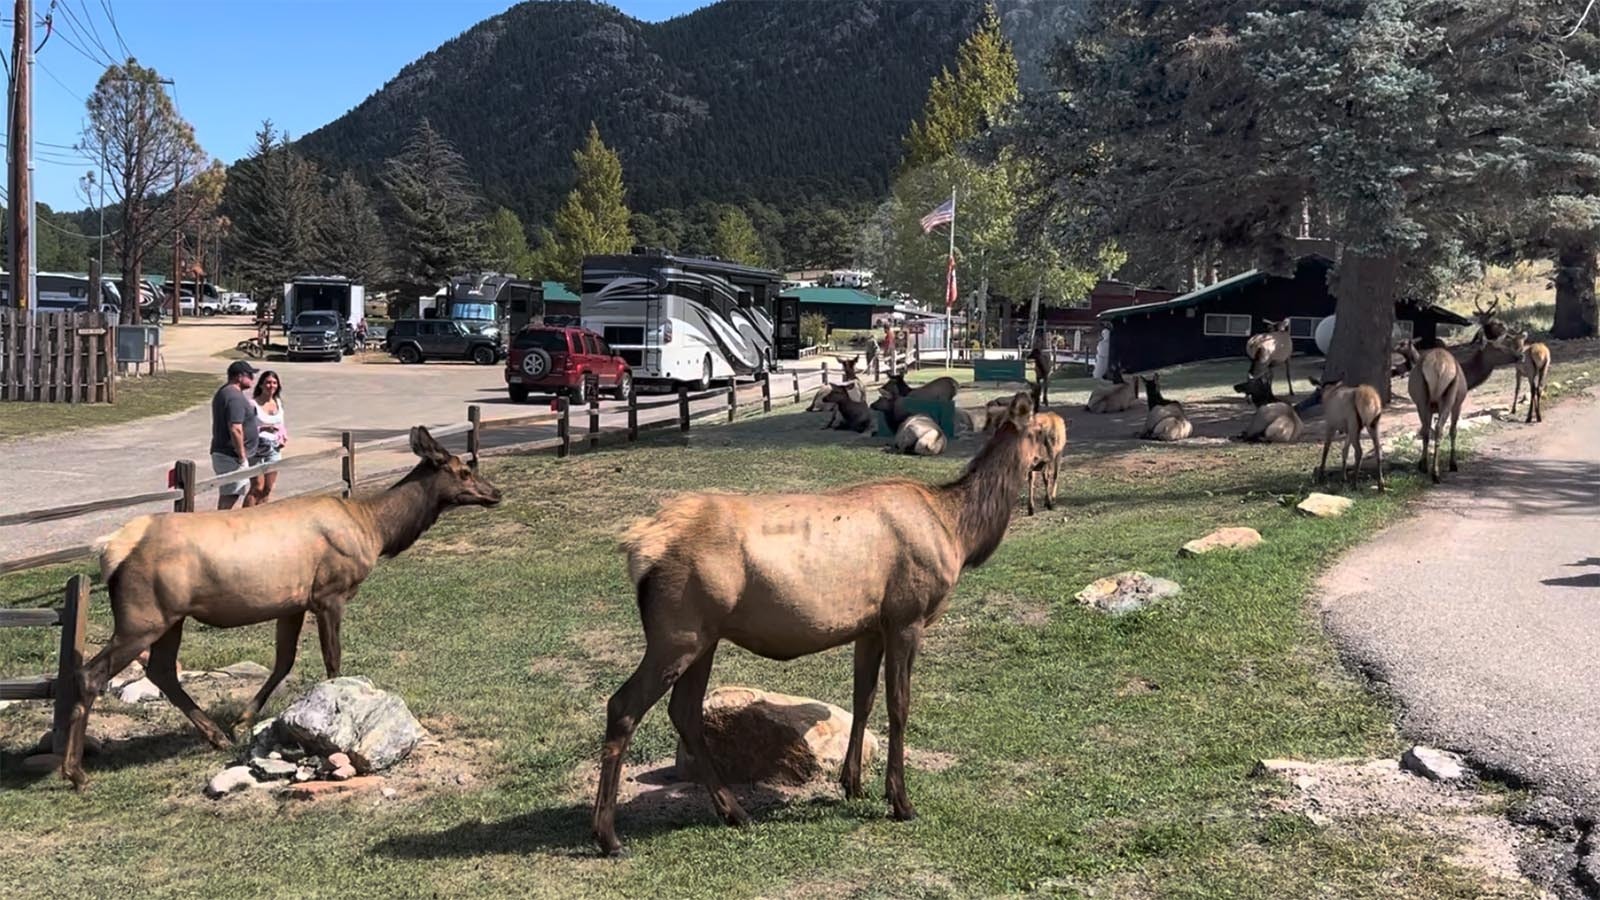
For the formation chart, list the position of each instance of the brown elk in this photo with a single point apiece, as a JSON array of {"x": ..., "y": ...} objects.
[
  {"x": 1052, "y": 431},
  {"x": 1436, "y": 392},
  {"x": 850, "y": 413},
  {"x": 1274, "y": 422},
  {"x": 1044, "y": 363},
  {"x": 849, "y": 366},
  {"x": 1166, "y": 420},
  {"x": 760, "y": 571},
  {"x": 919, "y": 436},
  {"x": 1534, "y": 366},
  {"x": 1116, "y": 396},
  {"x": 1490, "y": 327},
  {"x": 943, "y": 388},
  {"x": 1270, "y": 349},
  {"x": 265, "y": 563},
  {"x": 1348, "y": 410}
]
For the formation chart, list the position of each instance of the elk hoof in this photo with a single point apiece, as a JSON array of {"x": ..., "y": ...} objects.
[
  {"x": 610, "y": 846},
  {"x": 902, "y": 813}
]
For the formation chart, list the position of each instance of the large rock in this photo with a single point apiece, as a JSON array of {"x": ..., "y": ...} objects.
[
  {"x": 234, "y": 778},
  {"x": 1222, "y": 539},
  {"x": 142, "y": 690},
  {"x": 1325, "y": 506},
  {"x": 1126, "y": 592},
  {"x": 348, "y": 715},
  {"x": 757, "y": 736},
  {"x": 1433, "y": 764}
]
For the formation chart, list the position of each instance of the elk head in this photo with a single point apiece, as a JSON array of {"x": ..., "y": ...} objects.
[
  {"x": 837, "y": 394},
  {"x": 454, "y": 482},
  {"x": 1281, "y": 326},
  {"x": 1489, "y": 324},
  {"x": 849, "y": 366},
  {"x": 895, "y": 387}
]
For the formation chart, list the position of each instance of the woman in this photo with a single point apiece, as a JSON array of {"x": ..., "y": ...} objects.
[{"x": 273, "y": 434}]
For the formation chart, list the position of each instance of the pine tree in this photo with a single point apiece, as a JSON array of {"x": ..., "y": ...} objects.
[
  {"x": 273, "y": 202},
  {"x": 735, "y": 238},
  {"x": 593, "y": 220},
  {"x": 353, "y": 241},
  {"x": 505, "y": 243},
  {"x": 964, "y": 103},
  {"x": 436, "y": 212}
]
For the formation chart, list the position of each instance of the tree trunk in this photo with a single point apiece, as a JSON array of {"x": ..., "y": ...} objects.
[
  {"x": 1033, "y": 315},
  {"x": 1362, "y": 332},
  {"x": 1575, "y": 296},
  {"x": 1006, "y": 330}
]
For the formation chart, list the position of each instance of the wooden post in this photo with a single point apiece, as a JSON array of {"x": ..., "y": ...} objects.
[
  {"x": 183, "y": 473},
  {"x": 824, "y": 371},
  {"x": 633, "y": 415},
  {"x": 594, "y": 417},
  {"x": 766, "y": 392},
  {"x": 475, "y": 419},
  {"x": 795, "y": 374},
  {"x": 74, "y": 622},
  {"x": 564, "y": 426},
  {"x": 733, "y": 397},
  {"x": 107, "y": 364},
  {"x": 683, "y": 409},
  {"x": 348, "y": 440}
]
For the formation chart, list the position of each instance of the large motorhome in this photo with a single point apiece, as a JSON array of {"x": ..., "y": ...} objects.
[
  {"x": 324, "y": 293},
  {"x": 682, "y": 319},
  {"x": 64, "y": 292}
]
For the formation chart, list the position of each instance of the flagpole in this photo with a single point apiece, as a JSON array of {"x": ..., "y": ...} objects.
[{"x": 949, "y": 333}]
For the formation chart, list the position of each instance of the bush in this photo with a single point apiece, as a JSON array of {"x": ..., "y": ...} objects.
[{"x": 813, "y": 329}]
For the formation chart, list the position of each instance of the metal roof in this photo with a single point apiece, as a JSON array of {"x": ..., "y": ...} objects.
[
  {"x": 838, "y": 295},
  {"x": 1193, "y": 298}
]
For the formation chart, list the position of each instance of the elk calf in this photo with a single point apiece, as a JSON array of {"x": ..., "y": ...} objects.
[
  {"x": 850, "y": 413},
  {"x": 1275, "y": 422},
  {"x": 1349, "y": 410},
  {"x": 1534, "y": 366},
  {"x": 1051, "y": 431}
]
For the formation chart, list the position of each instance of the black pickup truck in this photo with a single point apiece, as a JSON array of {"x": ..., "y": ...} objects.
[{"x": 322, "y": 335}]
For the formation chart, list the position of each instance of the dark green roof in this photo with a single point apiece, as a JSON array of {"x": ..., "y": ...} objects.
[
  {"x": 838, "y": 296},
  {"x": 1193, "y": 298}
]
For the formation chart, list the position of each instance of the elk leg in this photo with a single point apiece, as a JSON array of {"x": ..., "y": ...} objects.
[
  {"x": 687, "y": 709},
  {"x": 1032, "y": 473},
  {"x": 1344, "y": 457},
  {"x": 869, "y": 659},
  {"x": 1426, "y": 415},
  {"x": 288, "y": 646},
  {"x": 1455, "y": 416},
  {"x": 1050, "y": 483},
  {"x": 1517, "y": 389},
  {"x": 902, "y": 652},
  {"x": 328, "y": 619},
  {"x": 162, "y": 671},
  {"x": 1288, "y": 376},
  {"x": 1322, "y": 467},
  {"x": 1377, "y": 453},
  {"x": 92, "y": 677}
]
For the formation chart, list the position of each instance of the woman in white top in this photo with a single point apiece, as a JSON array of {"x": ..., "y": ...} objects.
[{"x": 273, "y": 434}]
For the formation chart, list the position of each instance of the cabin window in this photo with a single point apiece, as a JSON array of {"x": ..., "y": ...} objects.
[
  {"x": 1218, "y": 325},
  {"x": 1403, "y": 329},
  {"x": 1303, "y": 326}
]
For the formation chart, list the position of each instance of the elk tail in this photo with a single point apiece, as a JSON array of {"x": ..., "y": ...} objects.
[{"x": 113, "y": 549}]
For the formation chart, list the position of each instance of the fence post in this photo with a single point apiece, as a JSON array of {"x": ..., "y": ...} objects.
[
  {"x": 348, "y": 464},
  {"x": 916, "y": 357},
  {"x": 183, "y": 473},
  {"x": 74, "y": 621},
  {"x": 563, "y": 426},
  {"x": 766, "y": 392},
  {"x": 683, "y": 409},
  {"x": 594, "y": 419},
  {"x": 795, "y": 374},
  {"x": 633, "y": 414},
  {"x": 475, "y": 419},
  {"x": 824, "y": 371},
  {"x": 733, "y": 397}
]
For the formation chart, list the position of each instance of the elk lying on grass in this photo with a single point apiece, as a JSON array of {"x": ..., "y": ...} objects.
[
  {"x": 943, "y": 388},
  {"x": 1348, "y": 410},
  {"x": 1052, "y": 432},
  {"x": 1117, "y": 396},
  {"x": 265, "y": 563},
  {"x": 1269, "y": 350},
  {"x": 1044, "y": 363},
  {"x": 1534, "y": 366},
  {"x": 821, "y": 403},
  {"x": 762, "y": 571},
  {"x": 1274, "y": 422},
  {"x": 1166, "y": 420},
  {"x": 849, "y": 366},
  {"x": 919, "y": 436},
  {"x": 849, "y": 412}
]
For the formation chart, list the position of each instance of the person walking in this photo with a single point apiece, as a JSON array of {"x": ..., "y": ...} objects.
[
  {"x": 233, "y": 432},
  {"x": 273, "y": 434}
]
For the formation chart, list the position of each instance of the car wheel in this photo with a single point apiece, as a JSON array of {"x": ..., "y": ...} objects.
[
  {"x": 580, "y": 392},
  {"x": 625, "y": 386},
  {"x": 519, "y": 393},
  {"x": 536, "y": 363},
  {"x": 409, "y": 354},
  {"x": 483, "y": 356},
  {"x": 705, "y": 375}
]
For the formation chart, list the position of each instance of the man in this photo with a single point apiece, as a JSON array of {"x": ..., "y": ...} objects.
[{"x": 233, "y": 432}]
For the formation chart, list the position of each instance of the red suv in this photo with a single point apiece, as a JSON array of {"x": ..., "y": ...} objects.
[{"x": 554, "y": 360}]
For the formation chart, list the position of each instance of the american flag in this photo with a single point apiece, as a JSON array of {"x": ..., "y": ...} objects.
[{"x": 946, "y": 212}]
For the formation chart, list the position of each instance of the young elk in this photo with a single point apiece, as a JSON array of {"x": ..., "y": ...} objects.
[
  {"x": 1052, "y": 433},
  {"x": 1269, "y": 350},
  {"x": 849, "y": 366},
  {"x": 1275, "y": 422},
  {"x": 1534, "y": 366},
  {"x": 762, "y": 571},
  {"x": 1116, "y": 396},
  {"x": 849, "y": 412},
  {"x": 1044, "y": 363},
  {"x": 1349, "y": 410},
  {"x": 1166, "y": 420},
  {"x": 266, "y": 563}
]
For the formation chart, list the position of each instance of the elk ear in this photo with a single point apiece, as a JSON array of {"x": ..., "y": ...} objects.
[{"x": 423, "y": 445}]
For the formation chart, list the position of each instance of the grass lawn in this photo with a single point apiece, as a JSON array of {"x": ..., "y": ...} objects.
[{"x": 137, "y": 398}]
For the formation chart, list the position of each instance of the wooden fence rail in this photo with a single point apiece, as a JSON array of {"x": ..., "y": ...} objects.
[
  {"x": 62, "y": 687},
  {"x": 57, "y": 357}
]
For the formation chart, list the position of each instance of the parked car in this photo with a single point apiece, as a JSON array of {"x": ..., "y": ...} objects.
[
  {"x": 320, "y": 334},
  {"x": 416, "y": 340},
  {"x": 209, "y": 306},
  {"x": 239, "y": 304},
  {"x": 560, "y": 360}
]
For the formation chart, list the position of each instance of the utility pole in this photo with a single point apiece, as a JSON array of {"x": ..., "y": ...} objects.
[
  {"x": 177, "y": 250},
  {"x": 20, "y": 193}
]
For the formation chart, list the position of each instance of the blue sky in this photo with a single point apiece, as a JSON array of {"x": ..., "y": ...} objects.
[{"x": 300, "y": 63}]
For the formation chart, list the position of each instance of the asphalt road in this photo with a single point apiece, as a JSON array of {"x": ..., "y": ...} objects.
[{"x": 1483, "y": 612}]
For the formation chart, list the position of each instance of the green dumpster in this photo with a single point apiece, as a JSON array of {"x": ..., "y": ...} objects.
[{"x": 942, "y": 412}]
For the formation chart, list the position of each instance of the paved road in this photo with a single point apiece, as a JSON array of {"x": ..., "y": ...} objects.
[
  {"x": 1483, "y": 612},
  {"x": 374, "y": 400}
]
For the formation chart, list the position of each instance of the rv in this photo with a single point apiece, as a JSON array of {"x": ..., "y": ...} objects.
[
  {"x": 65, "y": 292},
  {"x": 682, "y": 319},
  {"x": 324, "y": 293}
]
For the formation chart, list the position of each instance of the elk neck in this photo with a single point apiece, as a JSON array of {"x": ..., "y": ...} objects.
[
  {"x": 405, "y": 511},
  {"x": 980, "y": 501}
]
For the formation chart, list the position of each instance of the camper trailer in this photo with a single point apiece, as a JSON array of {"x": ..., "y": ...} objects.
[{"x": 324, "y": 293}]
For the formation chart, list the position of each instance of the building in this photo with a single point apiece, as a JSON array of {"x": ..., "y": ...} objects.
[
  {"x": 1214, "y": 321},
  {"x": 843, "y": 307}
]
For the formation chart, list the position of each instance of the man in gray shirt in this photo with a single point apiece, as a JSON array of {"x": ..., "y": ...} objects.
[{"x": 233, "y": 432}]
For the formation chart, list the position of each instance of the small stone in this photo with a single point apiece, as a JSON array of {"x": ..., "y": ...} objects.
[
  {"x": 343, "y": 773},
  {"x": 132, "y": 673},
  {"x": 272, "y": 769},
  {"x": 1126, "y": 592},
  {"x": 41, "y": 762},
  {"x": 262, "y": 727},
  {"x": 389, "y": 793},
  {"x": 338, "y": 760},
  {"x": 141, "y": 691},
  {"x": 765, "y": 737},
  {"x": 1325, "y": 506},
  {"x": 1433, "y": 764},
  {"x": 246, "y": 669},
  {"x": 233, "y": 778},
  {"x": 7, "y": 704},
  {"x": 1274, "y": 767},
  {"x": 303, "y": 774},
  {"x": 1222, "y": 539},
  {"x": 275, "y": 754},
  {"x": 313, "y": 790}
]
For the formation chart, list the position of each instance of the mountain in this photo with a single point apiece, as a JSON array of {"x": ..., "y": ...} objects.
[{"x": 784, "y": 102}]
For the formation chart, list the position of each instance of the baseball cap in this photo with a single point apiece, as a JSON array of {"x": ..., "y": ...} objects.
[{"x": 240, "y": 367}]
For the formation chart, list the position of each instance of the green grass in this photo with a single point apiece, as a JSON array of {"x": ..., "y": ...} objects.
[
  {"x": 137, "y": 398},
  {"x": 1071, "y": 774}
]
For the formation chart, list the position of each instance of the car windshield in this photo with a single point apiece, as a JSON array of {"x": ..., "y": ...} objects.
[
  {"x": 548, "y": 341},
  {"x": 316, "y": 320}
]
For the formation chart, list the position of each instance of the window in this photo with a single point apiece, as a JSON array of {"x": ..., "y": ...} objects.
[
  {"x": 600, "y": 347},
  {"x": 1403, "y": 329},
  {"x": 1303, "y": 326},
  {"x": 548, "y": 341},
  {"x": 1227, "y": 326},
  {"x": 590, "y": 345}
]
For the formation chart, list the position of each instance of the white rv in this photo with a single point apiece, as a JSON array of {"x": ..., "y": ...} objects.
[
  {"x": 681, "y": 319},
  {"x": 324, "y": 293}
]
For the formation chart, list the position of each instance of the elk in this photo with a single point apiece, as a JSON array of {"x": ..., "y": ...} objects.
[
  {"x": 1114, "y": 397},
  {"x": 761, "y": 571},
  {"x": 938, "y": 389},
  {"x": 275, "y": 562},
  {"x": 849, "y": 366},
  {"x": 1474, "y": 366},
  {"x": 1052, "y": 432},
  {"x": 1166, "y": 420},
  {"x": 849, "y": 412},
  {"x": 821, "y": 403},
  {"x": 1274, "y": 422},
  {"x": 1350, "y": 410},
  {"x": 1044, "y": 363},
  {"x": 1270, "y": 349},
  {"x": 1490, "y": 328},
  {"x": 919, "y": 436},
  {"x": 995, "y": 413},
  {"x": 1534, "y": 366}
]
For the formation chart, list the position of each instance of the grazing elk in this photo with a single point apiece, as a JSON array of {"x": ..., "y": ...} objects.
[
  {"x": 1166, "y": 420},
  {"x": 1534, "y": 366},
  {"x": 1348, "y": 410},
  {"x": 1271, "y": 349},
  {"x": 761, "y": 571},
  {"x": 850, "y": 413},
  {"x": 919, "y": 436},
  {"x": 1274, "y": 422},
  {"x": 1044, "y": 363},
  {"x": 943, "y": 388},
  {"x": 1116, "y": 396},
  {"x": 265, "y": 563},
  {"x": 1052, "y": 431}
]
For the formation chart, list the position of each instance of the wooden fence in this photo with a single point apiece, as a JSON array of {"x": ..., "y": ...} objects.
[
  {"x": 57, "y": 357},
  {"x": 62, "y": 687}
]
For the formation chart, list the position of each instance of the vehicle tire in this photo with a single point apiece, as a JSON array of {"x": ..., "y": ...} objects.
[
  {"x": 536, "y": 363},
  {"x": 207, "y": 311},
  {"x": 580, "y": 392},
  {"x": 704, "y": 383},
  {"x": 518, "y": 392},
  {"x": 483, "y": 355},
  {"x": 409, "y": 354},
  {"x": 625, "y": 386}
]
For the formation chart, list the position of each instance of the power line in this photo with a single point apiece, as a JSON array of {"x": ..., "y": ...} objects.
[
  {"x": 112, "y": 18},
  {"x": 74, "y": 94},
  {"x": 83, "y": 34}
]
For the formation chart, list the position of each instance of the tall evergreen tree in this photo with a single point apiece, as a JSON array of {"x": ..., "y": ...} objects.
[
  {"x": 505, "y": 243},
  {"x": 272, "y": 200},
  {"x": 735, "y": 238},
  {"x": 352, "y": 236},
  {"x": 438, "y": 230},
  {"x": 963, "y": 103},
  {"x": 593, "y": 220}
]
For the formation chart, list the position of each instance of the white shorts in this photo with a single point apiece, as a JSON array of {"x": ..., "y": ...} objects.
[{"x": 222, "y": 464}]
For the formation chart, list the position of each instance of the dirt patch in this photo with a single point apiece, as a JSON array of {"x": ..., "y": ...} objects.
[
  {"x": 568, "y": 671},
  {"x": 611, "y": 646},
  {"x": 930, "y": 760},
  {"x": 1136, "y": 687},
  {"x": 651, "y": 791}
]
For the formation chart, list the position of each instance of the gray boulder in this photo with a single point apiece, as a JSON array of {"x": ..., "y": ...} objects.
[
  {"x": 348, "y": 715},
  {"x": 1126, "y": 592}
]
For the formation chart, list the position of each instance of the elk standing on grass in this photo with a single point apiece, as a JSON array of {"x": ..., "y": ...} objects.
[
  {"x": 1534, "y": 366},
  {"x": 761, "y": 571},
  {"x": 1116, "y": 396},
  {"x": 1348, "y": 409},
  {"x": 1166, "y": 420},
  {"x": 1271, "y": 349},
  {"x": 1044, "y": 363},
  {"x": 1052, "y": 432},
  {"x": 265, "y": 563},
  {"x": 1275, "y": 422}
]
